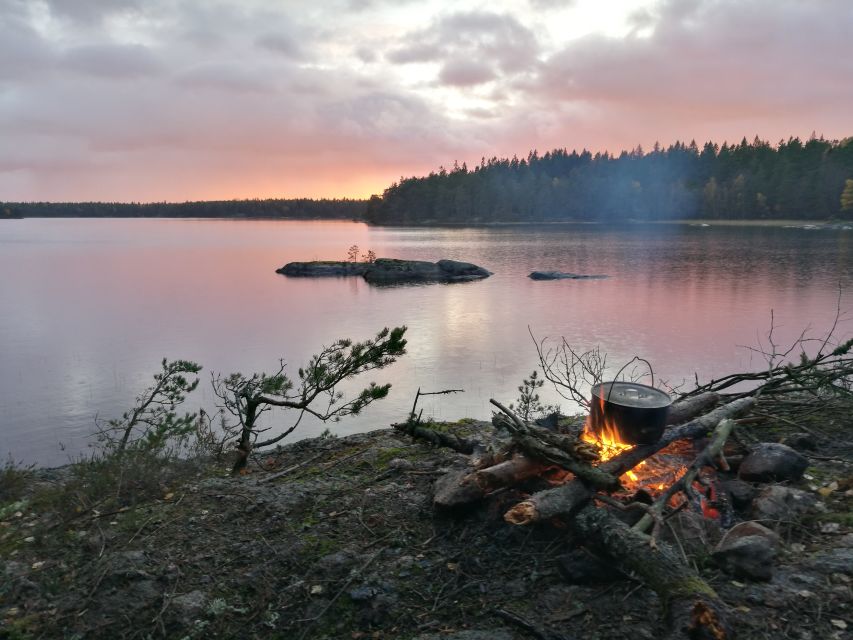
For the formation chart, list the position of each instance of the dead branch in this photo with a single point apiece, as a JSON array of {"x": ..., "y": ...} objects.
[
  {"x": 437, "y": 438},
  {"x": 537, "y": 449},
  {"x": 458, "y": 488}
]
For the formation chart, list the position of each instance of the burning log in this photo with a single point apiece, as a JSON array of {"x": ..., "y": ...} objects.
[
  {"x": 565, "y": 500},
  {"x": 684, "y": 484},
  {"x": 547, "y": 452},
  {"x": 693, "y": 609}
]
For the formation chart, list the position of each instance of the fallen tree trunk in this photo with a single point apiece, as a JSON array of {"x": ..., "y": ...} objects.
[
  {"x": 693, "y": 609},
  {"x": 565, "y": 500}
]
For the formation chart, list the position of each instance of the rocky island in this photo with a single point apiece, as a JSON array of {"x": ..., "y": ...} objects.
[{"x": 386, "y": 271}]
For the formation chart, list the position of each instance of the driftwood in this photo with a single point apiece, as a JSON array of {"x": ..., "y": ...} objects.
[
  {"x": 692, "y": 607},
  {"x": 565, "y": 500}
]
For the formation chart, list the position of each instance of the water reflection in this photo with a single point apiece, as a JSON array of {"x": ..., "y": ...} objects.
[{"x": 91, "y": 306}]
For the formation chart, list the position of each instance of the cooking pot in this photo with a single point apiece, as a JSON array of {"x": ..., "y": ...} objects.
[{"x": 637, "y": 411}]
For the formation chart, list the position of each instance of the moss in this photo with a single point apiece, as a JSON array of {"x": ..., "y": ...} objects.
[{"x": 844, "y": 518}]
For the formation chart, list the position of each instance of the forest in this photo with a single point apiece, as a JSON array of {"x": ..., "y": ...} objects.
[
  {"x": 302, "y": 208},
  {"x": 810, "y": 180}
]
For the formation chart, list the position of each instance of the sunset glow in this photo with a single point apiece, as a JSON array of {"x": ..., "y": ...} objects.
[{"x": 149, "y": 101}]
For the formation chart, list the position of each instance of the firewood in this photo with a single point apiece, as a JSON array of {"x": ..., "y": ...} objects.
[
  {"x": 437, "y": 438},
  {"x": 461, "y": 487},
  {"x": 565, "y": 500},
  {"x": 687, "y": 409},
  {"x": 685, "y": 483},
  {"x": 537, "y": 449},
  {"x": 693, "y": 609}
]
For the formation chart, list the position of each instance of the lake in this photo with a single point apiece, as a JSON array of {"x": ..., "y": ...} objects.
[{"x": 90, "y": 307}]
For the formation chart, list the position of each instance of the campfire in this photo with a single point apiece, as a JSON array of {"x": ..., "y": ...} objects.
[{"x": 608, "y": 468}]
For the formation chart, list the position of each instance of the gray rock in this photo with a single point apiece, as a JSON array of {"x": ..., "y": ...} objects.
[
  {"x": 692, "y": 531},
  {"x": 770, "y": 461},
  {"x": 776, "y": 503},
  {"x": 190, "y": 603},
  {"x": 389, "y": 271},
  {"x": 748, "y": 553},
  {"x": 741, "y": 494},
  {"x": 801, "y": 441},
  {"x": 833, "y": 561},
  {"x": 323, "y": 269},
  {"x": 561, "y": 275}
]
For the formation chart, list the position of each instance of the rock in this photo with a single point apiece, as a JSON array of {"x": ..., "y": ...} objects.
[
  {"x": 770, "y": 461},
  {"x": 801, "y": 441},
  {"x": 775, "y": 503},
  {"x": 323, "y": 268},
  {"x": 561, "y": 275},
  {"x": 190, "y": 603},
  {"x": 388, "y": 271},
  {"x": 692, "y": 531},
  {"x": 741, "y": 494},
  {"x": 748, "y": 551},
  {"x": 450, "y": 492},
  {"x": 833, "y": 561}
]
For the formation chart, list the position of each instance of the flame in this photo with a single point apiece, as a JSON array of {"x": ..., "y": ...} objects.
[{"x": 653, "y": 475}]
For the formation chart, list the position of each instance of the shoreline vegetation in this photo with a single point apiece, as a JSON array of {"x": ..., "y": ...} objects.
[{"x": 750, "y": 183}]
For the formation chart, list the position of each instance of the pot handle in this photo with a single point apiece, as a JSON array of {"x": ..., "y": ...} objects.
[{"x": 625, "y": 366}]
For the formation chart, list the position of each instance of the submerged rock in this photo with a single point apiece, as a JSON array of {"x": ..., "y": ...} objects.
[
  {"x": 389, "y": 271},
  {"x": 561, "y": 275}
]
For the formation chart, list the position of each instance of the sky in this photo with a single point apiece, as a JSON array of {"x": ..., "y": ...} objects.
[{"x": 151, "y": 100}]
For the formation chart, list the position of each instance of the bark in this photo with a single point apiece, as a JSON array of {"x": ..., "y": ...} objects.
[
  {"x": 689, "y": 408},
  {"x": 437, "y": 438},
  {"x": 565, "y": 500},
  {"x": 458, "y": 488},
  {"x": 693, "y": 609}
]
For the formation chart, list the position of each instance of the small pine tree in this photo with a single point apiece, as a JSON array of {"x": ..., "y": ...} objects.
[
  {"x": 352, "y": 253},
  {"x": 528, "y": 405}
]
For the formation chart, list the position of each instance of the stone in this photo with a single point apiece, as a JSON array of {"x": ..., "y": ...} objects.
[
  {"x": 562, "y": 275},
  {"x": 769, "y": 461},
  {"x": 581, "y": 567},
  {"x": 190, "y": 603},
  {"x": 741, "y": 494},
  {"x": 323, "y": 269},
  {"x": 694, "y": 532},
  {"x": 389, "y": 271},
  {"x": 801, "y": 441},
  {"x": 830, "y": 561},
  {"x": 775, "y": 503},
  {"x": 750, "y": 556}
]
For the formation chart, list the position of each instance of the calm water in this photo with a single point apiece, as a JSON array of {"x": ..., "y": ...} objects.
[{"x": 89, "y": 307}]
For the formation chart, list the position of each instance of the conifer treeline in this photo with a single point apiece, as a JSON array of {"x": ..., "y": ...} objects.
[
  {"x": 757, "y": 180},
  {"x": 302, "y": 208}
]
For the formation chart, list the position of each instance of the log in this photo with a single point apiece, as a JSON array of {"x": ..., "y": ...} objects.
[
  {"x": 461, "y": 487},
  {"x": 565, "y": 500},
  {"x": 687, "y": 409},
  {"x": 693, "y": 609},
  {"x": 535, "y": 448},
  {"x": 437, "y": 438}
]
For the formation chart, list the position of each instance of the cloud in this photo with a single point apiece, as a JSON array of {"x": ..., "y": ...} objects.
[
  {"x": 283, "y": 44},
  {"x": 472, "y": 47},
  {"x": 118, "y": 61},
  {"x": 466, "y": 73}
]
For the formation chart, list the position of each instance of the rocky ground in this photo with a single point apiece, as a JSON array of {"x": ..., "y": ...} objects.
[{"x": 338, "y": 538}]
